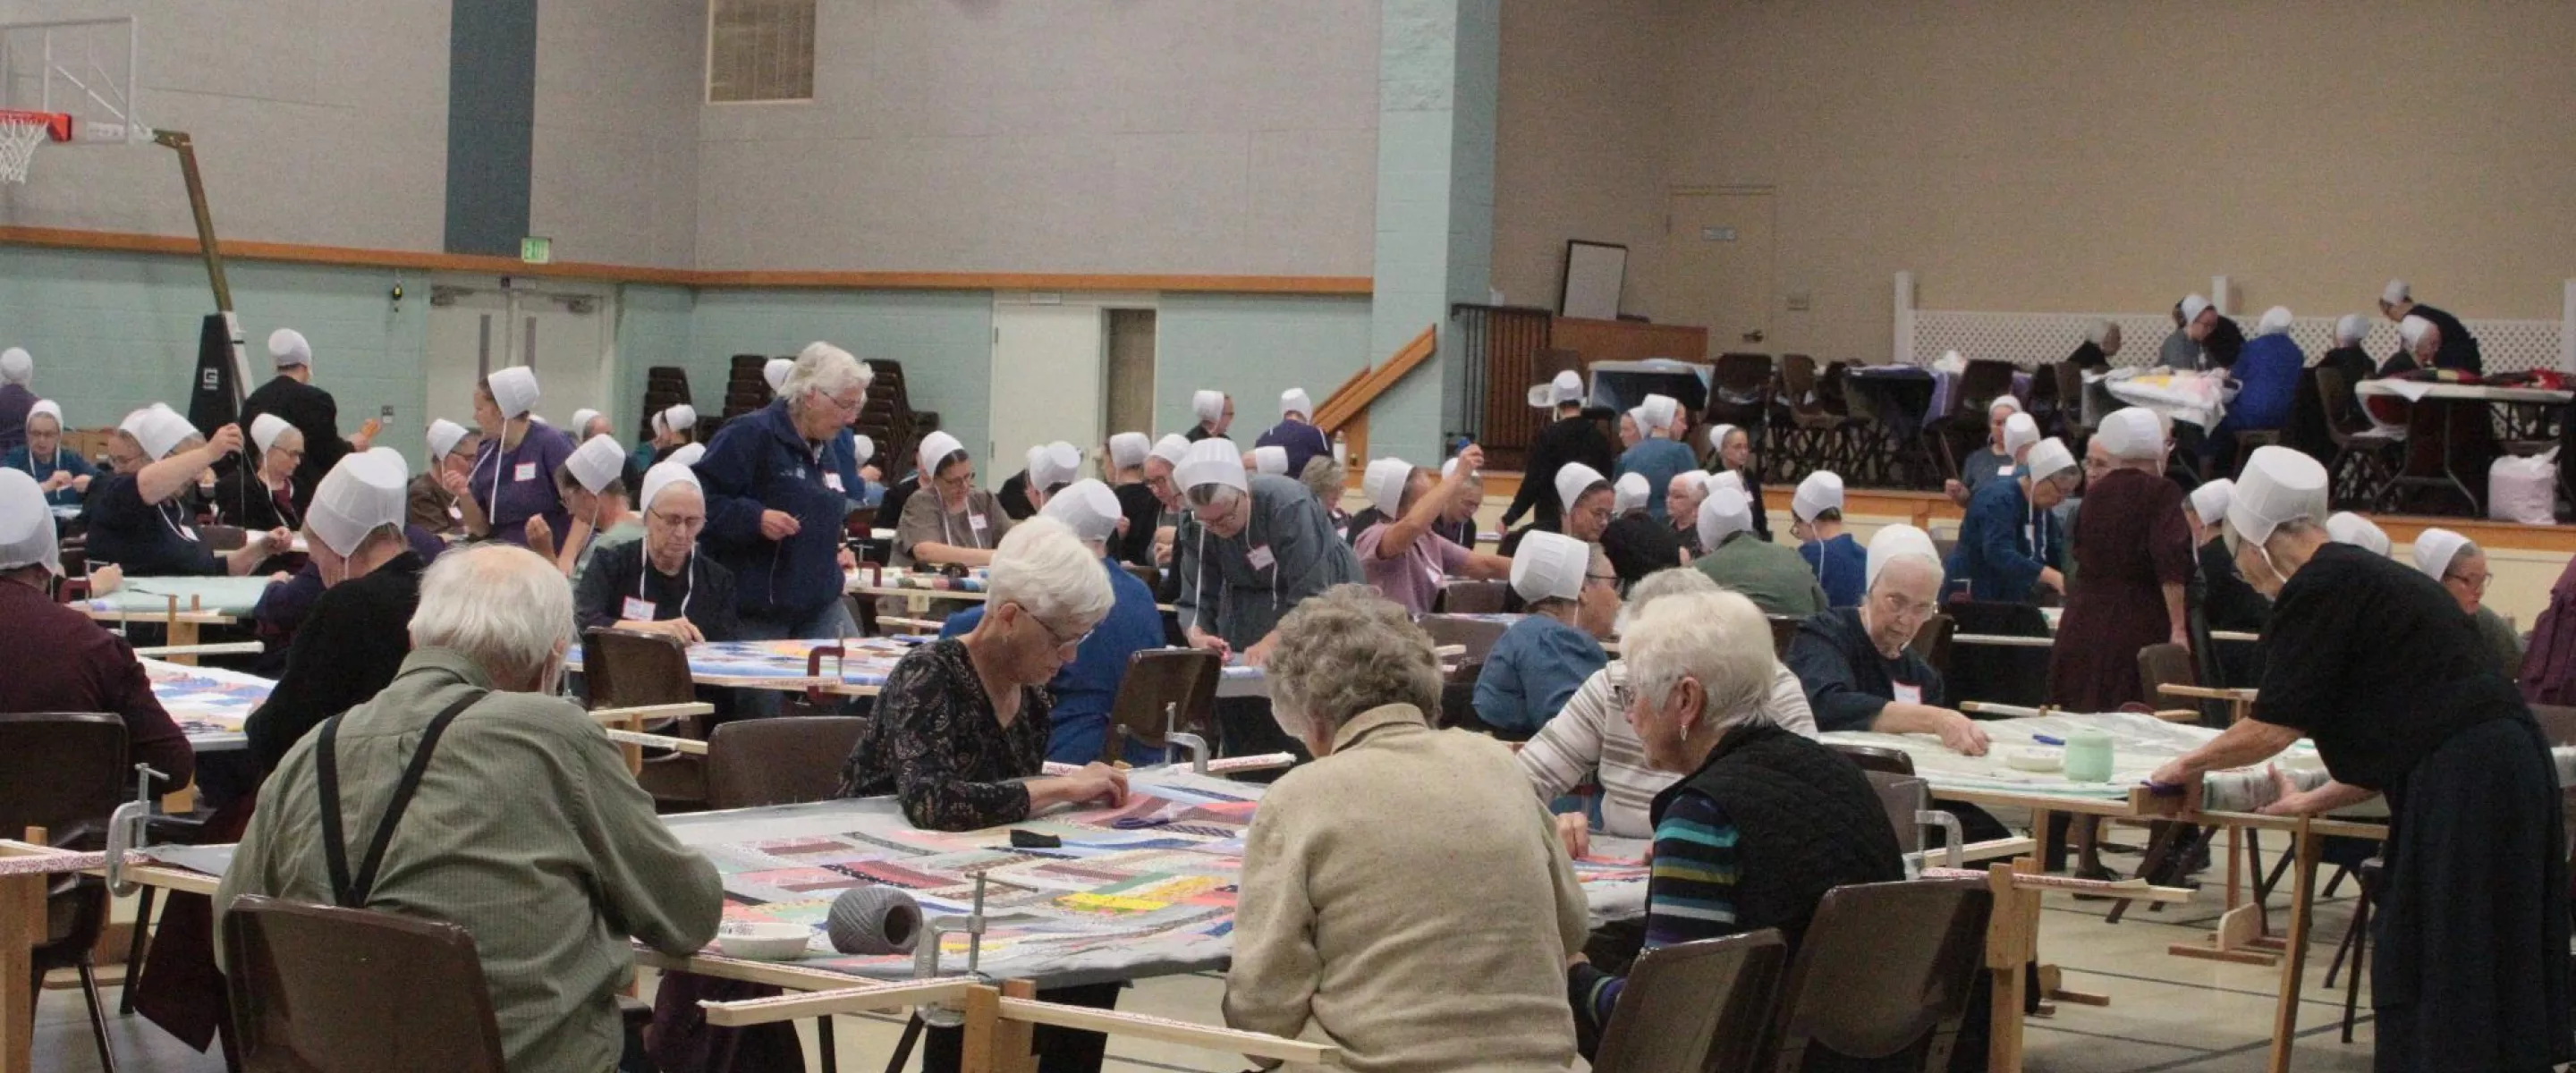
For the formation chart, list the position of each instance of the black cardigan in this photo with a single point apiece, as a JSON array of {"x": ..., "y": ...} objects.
[{"x": 347, "y": 651}]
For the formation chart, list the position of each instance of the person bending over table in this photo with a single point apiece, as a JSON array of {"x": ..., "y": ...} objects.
[
  {"x": 1295, "y": 435},
  {"x": 64, "y": 475},
  {"x": 592, "y": 484},
  {"x": 1403, "y": 558},
  {"x": 2135, "y": 547},
  {"x": 353, "y": 642},
  {"x": 261, "y": 494},
  {"x": 2461, "y": 566},
  {"x": 1816, "y": 519},
  {"x": 961, "y": 730},
  {"x": 1215, "y": 413},
  {"x": 2375, "y": 664},
  {"x": 2010, "y": 545},
  {"x": 1774, "y": 577},
  {"x": 660, "y": 583},
  {"x": 525, "y": 827},
  {"x": 776, "y": 498},
  {"x": 1762, "y": 823},
  {"x": 512, "y": 479},
  {"x": 1400, "y": 896},
  {"x": 1086, "y": 687},
  {"x": 1539, "y": 661},
  {"x": 135, "y": 520},
  {"x": 2454, "y": 348},
  {"x": 1858, "y": 663},
  {"x": 1127, "y": 454}
]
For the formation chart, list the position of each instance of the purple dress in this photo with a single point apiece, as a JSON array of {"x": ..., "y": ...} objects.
[{"x": 525, "y": 479}]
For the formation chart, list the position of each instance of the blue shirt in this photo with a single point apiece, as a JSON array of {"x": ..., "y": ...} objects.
[
  {"x": 525, "y": 478},
  {"x": 759, "y": 462},
  {"x": 1085, "y": 688},
  {"x": 2003, "y": 547},
  {"x": 1534, "y": 668},
  {"x": 1302, "y": 442},
  {"x": 146, "y": 539},
  {"x": 1841, "y": 566},
  {"x": 2267, "y": 378},
  {"x": 1660, "y": 460},
  {"x": 65, "y": 461}
]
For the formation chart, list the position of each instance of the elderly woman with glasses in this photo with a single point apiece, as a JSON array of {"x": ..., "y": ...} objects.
[
  {"x": 776, "y": 495},
  {"x": 1857, "y": 663},
  {"x": 2461, "y": 566},
  {"x": 1402, "y": 896},
  {"x": 63, "y": 475},
  {"x": 659, "y": 583}
]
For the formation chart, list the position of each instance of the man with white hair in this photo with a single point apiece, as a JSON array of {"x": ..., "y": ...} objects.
[
  {"x": 310, "y": 409},
  {"x": 2137, "y": 554},
  {"x": 1763, "y": 821},
  {"x": 1816, "y": 519},
  {"x": 17, "y": 397},
  {"x": 1400, "y": 554},
  {"x": 1858, "y": 663},
  {"x": 2101, "y": 344},
  {"x": 1773, "y": 576},
  {"x": 2457, "y": 348},
  {"x": 466, "y": 792},
  {"x": 352, "y": 642},
  {"x": 260, "y": 492},
  {"x": 1214, "y": 411},
  {"x": 2267, "y": 377},
  {"x": 1659, "y": 455},
  {"x": 2010, "y": 545},
  {"x": 2461, "y": 566},
  {"x": 776, "y": 496},
  {"x": 2009, "y": 434},
  {"x": 136, "y": 521},
  {"x": 661, "y": 583},
  {"x": 1296, "y": 433},
  {"x": 1572, "y": 438}
]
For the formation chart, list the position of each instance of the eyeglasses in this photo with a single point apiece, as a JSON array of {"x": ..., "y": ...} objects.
[
  {"x": 1604, "y": 579},
  {"x": 1902, "y": 609},
  {"x": 857, "y": 399},
  {"x": 2475, "y": 582},
  {"x": 1062, "y": 643},
  {"x": 686, "y": 523}
]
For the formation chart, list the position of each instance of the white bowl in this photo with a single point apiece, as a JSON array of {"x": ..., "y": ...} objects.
[
  {"x": 758, "y": 941},
  {"x": 2026, "y": 758}
]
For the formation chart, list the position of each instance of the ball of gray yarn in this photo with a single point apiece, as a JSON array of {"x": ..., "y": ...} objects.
[{"x": 875, "y": 920}]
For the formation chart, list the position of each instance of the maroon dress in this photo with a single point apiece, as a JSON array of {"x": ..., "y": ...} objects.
[{"x": 2130, "y": 541}]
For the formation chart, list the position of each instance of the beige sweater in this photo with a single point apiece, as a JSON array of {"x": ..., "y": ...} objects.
[{"x": 1406, "y": 899}]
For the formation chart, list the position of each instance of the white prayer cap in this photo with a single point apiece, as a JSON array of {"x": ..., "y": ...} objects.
[
  {"x": 666, "y": 473},
  {"x": 1895, "y": 542},
  {"x": 514, "y": 390},
  {"x": 689, "y": 454},
  {"x": 2048, "y": 458},
  {"x": 1449, "y": 469},
  {"x": 2396, "y": 291},
  {"x": 1697, "y": 480},
  {"x": 162, "y": 431},
  {"x": 2009, "y": 404},
  {"x": 135, "y": 420},
  {"x": 1629, "y": 493},
  {"x": 1726, "y": 478},
  {"x": 1127, "y": 450},
  {"x": 581, "y": 420},
  {"x": 1087, "y": 507},
  {"x": 2434, "y": 550},
  {"x": 1383, "y": 484},
  {"x": 288, "y": 348},
  {"x": 1550, "y": 566},
  {"x": 2131, "y": 433},
  {"x": 17, "y": 366},
  {"x": 1294, "y": 401},
  {"x": 2278, "y": 485},
  {"x": 1572, "y": 480},
  {"x": 1542, "y": 397},
  {"x": 27, "y": 524},
  {"x": 1271, "y": 460},
  {"x": 2275, "y": 321},
  {"x": 935, "y": 448},
  {"x": 596, "y": 462},
  {"x": 2210, "y": 501},
  {"x": 862, "y": 448},
  {"x": 1717, "y": 437},
  {"x": 1724, "y": 513},
  {"x": 681, "y": 417},
  {"x": 365, "y": 492},
  {"x": 1215, "y": 460},
  {"x": 265, "y": 429},
  {"x": 1820, "y": 492},
  {"x": 1171, "y": 449},
  {"x": 46, "y": 408},
  {"x": 2098, "y": 331},
  {"x": 1658, "y": 413},
  {"x": 2350, "y": 528},
  {"x": 774, "y": 372},
  {"x": 1053, "y": 464},
  {"x": 2020, "y": 430},
  {"x": 1567, "y": 387},
  {"x": 1208, "y": 405},
  {"x": 2192, "y": 307},
  {"x": 2412, "y": 329},
  {"x": 2351, "y": 327}
]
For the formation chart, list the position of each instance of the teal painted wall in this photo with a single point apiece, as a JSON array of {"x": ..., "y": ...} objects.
[
  {"x": 653, "y": 328},
  {"x": 943, "y": 338},
  {"x": 1255, "y": 346}
]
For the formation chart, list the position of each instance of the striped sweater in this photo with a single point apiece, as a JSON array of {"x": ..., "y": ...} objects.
[
  {"x": 1690, "y": 895},
  {"x": 1590, "y": 740}
]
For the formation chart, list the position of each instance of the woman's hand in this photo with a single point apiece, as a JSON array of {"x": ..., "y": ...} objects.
[
  {"x": 1963, "y": 736},
  {"x": 455, "y": 483},
  {"x": 1259, "y": 653},
  {"x": 2287, "y": 798},
  {"x": 2174, "y": 773},
  {"x": 1097, "y": 781},
  {"x": 849, "y": 560},
  {"x": 1209, "y": 642},
  {"x": 776, "y": 525},
  {"x": 80, "y": 484},
  {"x": 541, "y": 537},
  {"x": 1575, "y": 830}
]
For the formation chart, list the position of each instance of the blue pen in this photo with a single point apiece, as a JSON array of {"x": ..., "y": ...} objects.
[{"x": 2046, "y": 740}]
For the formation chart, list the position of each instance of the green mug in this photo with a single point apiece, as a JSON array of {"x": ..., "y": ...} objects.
[{"x": 2088, "y": 756}]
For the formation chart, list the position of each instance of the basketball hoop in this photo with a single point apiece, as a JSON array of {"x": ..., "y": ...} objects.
[{"x": 21, "y": 133}]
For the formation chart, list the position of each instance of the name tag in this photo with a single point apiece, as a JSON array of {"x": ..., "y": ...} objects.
[
  {"x": 526, "y": 471},
  {"x": 1260, "y": 557},
  {"x": 833, "y": 482},
  {"x": 637, "y": 610},
  {"x": 1906, "y": 694},
  {"x": 456, "y": 512},
  {"x": 975, "y": 522},
  {"x": 2005, "y": 470}
]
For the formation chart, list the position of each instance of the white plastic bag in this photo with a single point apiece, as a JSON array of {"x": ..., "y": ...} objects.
[{"x": 2524, "y": 490}]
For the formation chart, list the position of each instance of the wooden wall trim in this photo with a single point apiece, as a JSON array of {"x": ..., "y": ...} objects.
[{"x": 354, "y": 257}]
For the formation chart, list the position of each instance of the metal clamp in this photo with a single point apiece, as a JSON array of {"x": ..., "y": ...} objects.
[
  {"x": 1954, "y": 834},
  {"x": 1197, "y": 746},
  {"x": 925, "y": 956},
  {"x": 129, "y": 829}
]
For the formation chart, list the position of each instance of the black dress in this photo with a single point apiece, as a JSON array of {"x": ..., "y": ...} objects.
[
  {"x": 315, "y": 414},
  {"x": 1143, "y": 512},
  {"x": 2375, "y": 663},
  {"x": 1571, "y": 439}
]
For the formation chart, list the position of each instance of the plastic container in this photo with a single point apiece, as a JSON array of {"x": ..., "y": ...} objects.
[{"x": 2088, "y": 756}]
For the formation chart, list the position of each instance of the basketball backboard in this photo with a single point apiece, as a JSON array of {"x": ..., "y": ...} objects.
[{"x": 83, "y": 68}]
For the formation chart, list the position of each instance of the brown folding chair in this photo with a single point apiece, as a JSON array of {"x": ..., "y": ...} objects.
[
  {"x": 1692, "y": 1007},
  {"x": 1165, "y": 689},
  {"x": 1471, "y": 597},
  {"x": 1886, "y": 969},
  {"x": 2161, "y": 665},
  {"x": 1784, "y": 629},
  {"x": 65, "y": 772},
  {"x": 789, "y": 760},
  {"x": 625, "y": 669},
  {"x": 1902, "y": 796},
  {"x": 1477, "y": 636},
  {"x": 1875, "y": 758},
  {"x": 1932, "y": 641},
  {"x": 318, "y": 989}
]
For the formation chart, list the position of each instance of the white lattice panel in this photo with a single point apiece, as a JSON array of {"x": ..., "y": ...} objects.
[{"x": 2031, "y": 339}]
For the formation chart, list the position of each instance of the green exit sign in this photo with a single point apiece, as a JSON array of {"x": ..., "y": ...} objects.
[{"x": 535, "y": 250}]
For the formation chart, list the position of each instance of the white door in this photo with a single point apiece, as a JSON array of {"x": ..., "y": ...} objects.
[
  {"x": 564, "y": 332},
  {"x": 1047, "y": 363}
]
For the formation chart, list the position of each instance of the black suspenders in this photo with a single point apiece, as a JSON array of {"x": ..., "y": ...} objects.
[{"x": 349, "y": 894}]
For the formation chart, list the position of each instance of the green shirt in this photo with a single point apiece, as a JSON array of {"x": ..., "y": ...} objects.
[
  {"x": 628, "y": 530},
  {"x": 1770, "y": 575},
  {"x": 527, "y": 830}
]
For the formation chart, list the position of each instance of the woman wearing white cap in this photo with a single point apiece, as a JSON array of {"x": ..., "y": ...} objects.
[
  {"x": 1214, "y": 412},
  {"x": 1537, "y": 664},
  {"x": 1732, "y": 446},
  {"x": 1160, "y": 465},
  {"x": 1682, "y": 498},
  {"x": 1260, "y": 545},
  {"x": 2373, "y": 662},
  {"x": 310, "y": 409},
  {"x": 660, "y": 583},
  {"x": 1816, "y": 519},
  {"x": 593, "y": 486},
  {"x": 2461, "y": 566},
  {"x": 777, "y": 495},
  {"x": 17, "y": 397},
  {"x": 353, "y": 641},
  {"x": 1295, "y": 435},
  {"x": 2101, "y": 344},
  {"x": 2223, "y": 598},
  {"x": 2215, "y": 338},
  {"x": 1400, "y": 554},
  {"x": 1570, "y": 439},
  {"x": 1637, "y": 542},
  {"x": 1774, "y": 577},
  {"x": 673, "y": 428},
  {"x": 2457, "y": 348},
  {"x": 136, "y": 522},
  {"x": 260, "y": 493},
  {"x": 433, "y": 508},
  {"x": 1660, "y": 455},
  {"x": 1123, "y": 460},
  {"x": 64, "y": 476},
  {"x": 2266, "y": 376},
  {"x": 512, "y": 479},
  {"x": 587, "y": 423},
  {"x": 1858, "y": 663},
  {"x": 2136, "y": 551},
  {"x": 2010, "y": 546},
  {"x": 2009, "y": 434},
  {"x": 949, "y": 522}
]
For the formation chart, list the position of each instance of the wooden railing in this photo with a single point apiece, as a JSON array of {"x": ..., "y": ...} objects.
[
  {"x": 1346, "y": 410},
  {"x": 1506, "y": 349}
]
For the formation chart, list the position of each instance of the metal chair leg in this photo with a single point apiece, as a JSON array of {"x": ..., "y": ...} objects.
[
  {"x": 823, "y": 1043},
  {"x": 97, "y": 1015},
  {"x": 2360, "y": 949},
  {"x": 134, "y": 951}
]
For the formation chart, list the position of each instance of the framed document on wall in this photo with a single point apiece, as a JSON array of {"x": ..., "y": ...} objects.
[{"x": 1594, "y": 273}]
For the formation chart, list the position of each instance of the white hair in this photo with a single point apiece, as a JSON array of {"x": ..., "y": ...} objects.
[
  {"x": 1213, "y": 496},
  {"x": 824, "y": 368},
  {"x": 1047, "y": 570},
  {"x": 1345, "y": 651},
  {"x": 1716, "y": 638},
  {"x": 504, "y": 607}
]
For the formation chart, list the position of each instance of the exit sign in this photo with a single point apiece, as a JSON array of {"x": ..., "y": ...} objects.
[{"x": 535, "y": 250}]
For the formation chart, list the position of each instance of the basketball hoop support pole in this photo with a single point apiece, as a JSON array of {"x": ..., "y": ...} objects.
[{"x": 178, "y": 140}]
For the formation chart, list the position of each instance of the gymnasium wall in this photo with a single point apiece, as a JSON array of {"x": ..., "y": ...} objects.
[
  {"x": 1256, "y": 347},
  {"x": 2038, "y": 155},
  {"x": 614, "y": 179},
  {"x": 943, "y": 338}
]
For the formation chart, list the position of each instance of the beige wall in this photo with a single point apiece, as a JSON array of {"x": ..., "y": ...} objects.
[{"x": 2064, "y": 155}]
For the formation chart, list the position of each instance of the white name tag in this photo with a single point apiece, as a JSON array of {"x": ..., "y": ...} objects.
[
  {"x": 526, "y": 471},
  {"x": 637, "y": 610},
  {"x": 456, "y": 512},
  {"x": 2005, "y": 470},
  {"x": 833, "y": 482},
  {"x": 1260, "y": 557},
  {"x": 1906, "y": 694},
  {"x": 975, "y": 522}
]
